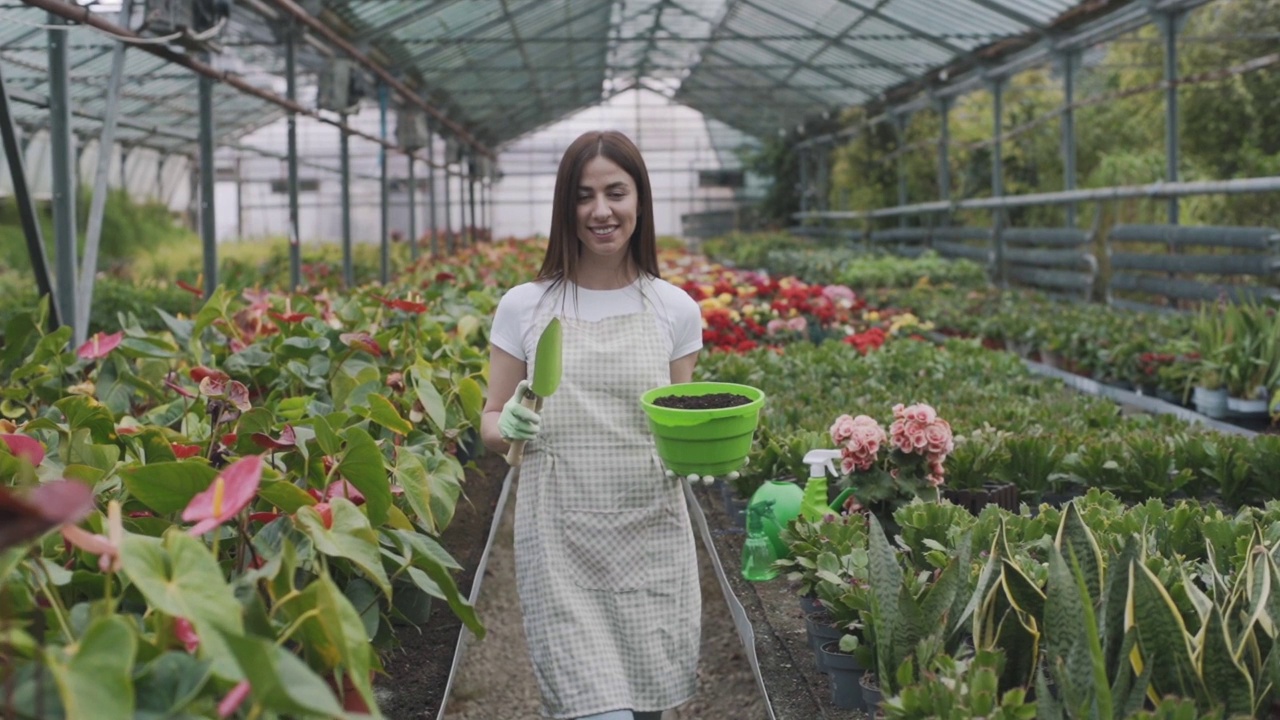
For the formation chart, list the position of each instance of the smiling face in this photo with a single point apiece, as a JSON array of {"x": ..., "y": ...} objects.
[{"x": 607, "y": 206}]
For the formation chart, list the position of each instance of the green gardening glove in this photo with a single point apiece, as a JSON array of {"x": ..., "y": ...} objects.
[{"x": 518, "y": 422}]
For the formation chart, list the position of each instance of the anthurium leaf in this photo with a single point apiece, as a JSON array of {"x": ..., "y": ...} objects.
[
  {"x": 364, "y": 597},
  {"x": 398, "y": 520},
  {"x": 362, "y": 465},
  {"x": 96, "y": 681},
  {"x": 281, "y": 682},
  {"x": 425, "y": 559},
  {"x": 472, "y": 396},
  {"x": 411, "y": 474},
  {"x": 416, "y": 544},
  {"x": 110, "y": 387},
  {"x": 335, "y": 635},
  {"x": 381, "y": 411},
  {"x": 168, "y": 487},
  {"x": 155, "y": 446},
  {"x": 17, "y": 334},
  {"x": 326, "y": 437},
  {"x": 168, "y": 684},
  {"x": 180, "y": 577},
  {"x": 350, "y": 538},
  {"x": 428, "y": 395},
  {"x": 214, "y": 308},
  {"x": 284, "y": 495},
  {"x": 180, "y": 328},
  {"x": 86, "y": 413}
]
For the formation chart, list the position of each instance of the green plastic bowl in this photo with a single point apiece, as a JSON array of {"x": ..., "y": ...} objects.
[{"x": 703, "y": 442}]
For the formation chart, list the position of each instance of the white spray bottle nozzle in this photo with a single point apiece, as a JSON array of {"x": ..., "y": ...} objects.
[{"x": 821, "y": 461}]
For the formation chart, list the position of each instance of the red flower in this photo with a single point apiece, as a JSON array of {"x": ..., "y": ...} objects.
[
  {"x": 190, "y": 288},
  {"x": 287, "y": 441},
  {"x": 99, "y": 346},
  {"x": 200, "y": 372},
  {"x": 182, "y": 452},
  {"x": 288, "y": 317},
  {"x": 186, "y": 634},
  {"x": 232, "y": 491},
  {"x": 24, "y": 447},
  {"x": 405, "y": 305},
  {"x": 343, "y": 489},
  {"x": 362, "y": 341}
]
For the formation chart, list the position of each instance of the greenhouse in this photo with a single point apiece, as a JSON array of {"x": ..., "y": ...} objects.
[{"x": 639, "y": 359}]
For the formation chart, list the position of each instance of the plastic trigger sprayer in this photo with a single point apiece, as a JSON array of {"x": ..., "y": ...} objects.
[
  {"x": 820, "y": 462},
  {"x": 757, "y": 552}
]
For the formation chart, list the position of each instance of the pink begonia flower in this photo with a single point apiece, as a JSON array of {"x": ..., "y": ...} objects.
[
  {"x": 862, "y": 446},
  {"x": 233, "y": 700},
  {"x": 24, "y": 446},
  {"x": 98, "y": 346},
  {"x": 230, "y": 493},
  {"x": 798, "y": 323},
  {"x": 106, "y": 548},
  {"x": 839, "y": 293},
  {"x": 186, "y": 634}
]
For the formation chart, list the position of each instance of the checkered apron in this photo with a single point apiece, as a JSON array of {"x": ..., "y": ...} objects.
[{"x": 605, "y": 563}]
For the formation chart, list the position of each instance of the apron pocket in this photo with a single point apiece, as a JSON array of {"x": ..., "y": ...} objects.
[{"x": 608, "y": 550}]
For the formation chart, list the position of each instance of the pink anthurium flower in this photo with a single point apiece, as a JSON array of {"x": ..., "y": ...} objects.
[
  {"x": 186, "y": 634},
  {"x": 233, "y": 700},
  {"x": 287, "y": 441},
  {"x": 24, "y": 446},
  {"x": 362, "y": 341},
  {"x": 344, "y": 489},
  {"x": 47, "y": 506},
  {"x": 230, "y": 493},
  {"x": 98, "y": 346},
  {"x": 238, "y": 394},
  {"x": 107, "y": 547}
]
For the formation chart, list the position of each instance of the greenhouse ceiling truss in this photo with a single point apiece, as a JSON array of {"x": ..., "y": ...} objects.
[{"x": 488, "y": 73}]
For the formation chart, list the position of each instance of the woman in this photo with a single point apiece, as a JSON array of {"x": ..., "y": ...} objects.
[{"x": 605, "y": 562}]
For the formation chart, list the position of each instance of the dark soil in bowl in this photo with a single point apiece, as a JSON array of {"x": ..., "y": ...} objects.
[{"x": 702, "y": 402}]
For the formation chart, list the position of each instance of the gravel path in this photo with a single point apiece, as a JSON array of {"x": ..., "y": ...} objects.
[{"x": 495, "y": 681}]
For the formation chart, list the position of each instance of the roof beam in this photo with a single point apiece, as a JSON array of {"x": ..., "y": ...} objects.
[
  {"x": 906, "y": 27},
  {"x": 414, "y": 15},
  {"x": 831, "y": 41},
  {"x": 425, "y": 56},
  {"x": 847, "y": 48},
  {"x": 1013, "y": 15},
  {"x": 773, "y": 51},
  {"x": 524, "y": 54},
  {"x": 408, "y": 94}
]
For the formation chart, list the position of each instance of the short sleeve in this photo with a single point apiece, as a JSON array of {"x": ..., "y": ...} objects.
[
  {"x": 510, "y": 321},
  {"x": 686, "y": 324}
]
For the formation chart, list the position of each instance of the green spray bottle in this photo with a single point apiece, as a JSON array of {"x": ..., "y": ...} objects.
[
  {"x": 820, "y": 462},
  {"x": 757, "y": 551}
]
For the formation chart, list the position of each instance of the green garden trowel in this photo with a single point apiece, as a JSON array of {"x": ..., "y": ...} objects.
[{"x": 546, "y": 378}]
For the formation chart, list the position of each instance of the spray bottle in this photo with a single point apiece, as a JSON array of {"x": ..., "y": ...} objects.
[
  {"x": 820, "y": 462},
  {"x": 757, "y": 551}
]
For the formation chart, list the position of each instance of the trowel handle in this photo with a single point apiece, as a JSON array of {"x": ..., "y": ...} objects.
[{"x": 515, "y": 453}]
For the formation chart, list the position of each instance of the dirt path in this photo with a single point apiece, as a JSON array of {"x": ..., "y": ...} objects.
[{"x": 496, "y": 679}]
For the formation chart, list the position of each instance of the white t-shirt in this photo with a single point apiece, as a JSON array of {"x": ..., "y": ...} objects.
[{"x": 677, "y": 314}]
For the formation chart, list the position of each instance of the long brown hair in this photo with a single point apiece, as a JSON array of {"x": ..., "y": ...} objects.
[{"x": 564, "y": 248}]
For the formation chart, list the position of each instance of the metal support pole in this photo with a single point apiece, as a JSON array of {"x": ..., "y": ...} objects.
[
  {"x": 471, "y": 190},
  {"x": 462, "y": 200},
  {"x": 98, "y": 205},
  {"x": 431, "y": 183},
  {"x": 348, "y": 273},
  {"x": 384, "y": 273},
  {"x": 997, "y": 174},
  {"x": 900, "y": 133},
  {"x": 291, "y": 92},
  {"x": 63, "y": 154},
  {"x": 208, "y": 228},
  {"x": 413, "y": 209},
  {"x": 944, "y": 149},
  {"x": 26, "y": 208},
  {"x": 804, "y": 180},
  {"x": 1069, "y": 61},
  {"x": 448, "y": 219},
  {"x": 1169, "y": 28},
  {"x": 239, "y": 197}
]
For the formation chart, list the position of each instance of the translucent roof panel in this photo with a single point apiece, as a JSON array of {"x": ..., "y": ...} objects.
[{"x": 501, "y": 69}]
